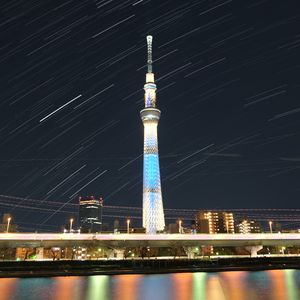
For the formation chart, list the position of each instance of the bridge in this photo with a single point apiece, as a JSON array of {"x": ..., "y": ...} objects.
[{"x": 33, "y": 240}]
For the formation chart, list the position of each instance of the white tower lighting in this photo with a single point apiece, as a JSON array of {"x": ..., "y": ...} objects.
[{"x": 153, "y": 213}]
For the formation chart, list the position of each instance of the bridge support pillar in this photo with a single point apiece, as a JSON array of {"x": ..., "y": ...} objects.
[
  {"x": 119, "y": 253},
  {"x": 253, "y": 250},
  {"x": 114, "y": 253},
  {"x": 191, "y": 251},
  {"x": 109, "y": 253},
  {"x": 40, "y": 253}
]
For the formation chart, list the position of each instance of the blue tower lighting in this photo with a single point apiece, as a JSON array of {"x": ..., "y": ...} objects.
[{"x": 153, "y": 213}]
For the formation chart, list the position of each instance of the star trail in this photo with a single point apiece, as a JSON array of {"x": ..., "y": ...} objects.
[{"x": 72, "y": 75}]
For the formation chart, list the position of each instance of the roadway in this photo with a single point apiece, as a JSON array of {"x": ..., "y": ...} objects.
[{"x": 47, "y": 240}]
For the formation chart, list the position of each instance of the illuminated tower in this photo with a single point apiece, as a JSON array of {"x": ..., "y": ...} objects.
[{"x": 153, "y": 213}]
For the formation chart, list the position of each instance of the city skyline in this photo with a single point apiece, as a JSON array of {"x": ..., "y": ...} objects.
[{"x": 227, "y": 75}]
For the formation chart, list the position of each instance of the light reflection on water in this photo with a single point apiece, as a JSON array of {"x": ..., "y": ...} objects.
[{"x": 264, "y": 285}]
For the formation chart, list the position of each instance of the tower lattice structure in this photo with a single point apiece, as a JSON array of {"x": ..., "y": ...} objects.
[{"x": 153, "y": 213}]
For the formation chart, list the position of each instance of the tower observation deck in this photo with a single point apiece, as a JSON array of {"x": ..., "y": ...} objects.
[{"x": 153, "y": 213}]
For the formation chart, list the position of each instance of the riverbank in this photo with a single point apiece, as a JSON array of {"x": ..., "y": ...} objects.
[{"x": 142, "y": 266}]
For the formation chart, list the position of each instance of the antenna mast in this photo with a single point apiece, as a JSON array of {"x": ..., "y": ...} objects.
[{"x": 149, "y": 49}]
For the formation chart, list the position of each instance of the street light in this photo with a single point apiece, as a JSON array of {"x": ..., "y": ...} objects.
[
  {"x": 270, "y": 225},
  {"x": 128, "y": 223},
  {"x": 179, "y": 227},
  {"x": 71, "y": 224},
  {"x": 8, "y": 223}
]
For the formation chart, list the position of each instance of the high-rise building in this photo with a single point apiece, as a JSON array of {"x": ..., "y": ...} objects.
[
  {"x": 153, "y": 213},
  {"x": 90, "y": 214},
  {"x": 214, "y": 222},
  {"x": 248, "y": 226}
]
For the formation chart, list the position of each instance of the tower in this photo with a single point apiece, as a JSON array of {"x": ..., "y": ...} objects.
[{"x": 153, "y": 213}]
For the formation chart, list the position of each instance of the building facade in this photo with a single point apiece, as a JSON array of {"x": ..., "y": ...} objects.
[
  {"x": 90, "y": 214},
  {"x": 153, "y": 213},
  {"x": 246, "y": 226},
  {"x": 214, "y": 222}
]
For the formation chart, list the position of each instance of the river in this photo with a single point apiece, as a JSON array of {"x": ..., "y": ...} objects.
[{"x": 241, "y": 285}]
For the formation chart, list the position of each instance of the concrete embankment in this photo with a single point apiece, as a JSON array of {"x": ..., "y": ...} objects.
[{"x": 142, "y": 266}]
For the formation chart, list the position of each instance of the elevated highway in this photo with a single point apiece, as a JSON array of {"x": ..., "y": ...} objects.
[{"x": 47, "y": 240}]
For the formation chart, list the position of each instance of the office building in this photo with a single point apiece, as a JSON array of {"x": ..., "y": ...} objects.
[{"x": 90, "y": 214}]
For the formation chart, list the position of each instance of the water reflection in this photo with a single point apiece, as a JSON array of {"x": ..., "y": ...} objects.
[
  {"x": 68, "y": 288},
  {"x": 278, "y": 289},
  {"x": 258, "y": 285},
  {"x": 182, "y": 286},
  {"x": 199, "y": 286},
  {"x": 264, "y": 285},
  {"x": 126, "y": 287},
  {"x": 291, "y": 284},
  {"x": 234, "y": 285},
  {"x": 214, "y": 288},
  {"x": 156, "y": 287},
  {"x": 7, "y": 288},
  {"x": 98, "y": 287}
]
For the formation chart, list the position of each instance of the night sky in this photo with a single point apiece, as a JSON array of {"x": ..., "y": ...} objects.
[{"x": 72, "y": 76}]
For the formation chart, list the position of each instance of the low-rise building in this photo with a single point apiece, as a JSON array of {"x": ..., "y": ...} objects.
[{"x": 248, "y": 226}]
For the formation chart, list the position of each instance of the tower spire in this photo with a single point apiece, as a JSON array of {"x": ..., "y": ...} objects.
[
  {"x": 149, "y": 75},
  {"x": 149, "y": 50},
  {"x": 150, "y": 87}
]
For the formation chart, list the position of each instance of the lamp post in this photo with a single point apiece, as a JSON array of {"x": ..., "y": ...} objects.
[
  {"x": 128, "y": 223},
  {"x": 179, "y": 227},
  {"x": 270, "y": 225},
  {"x": 71, "y": 224},
  {"x": 8, "y": 223}
]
